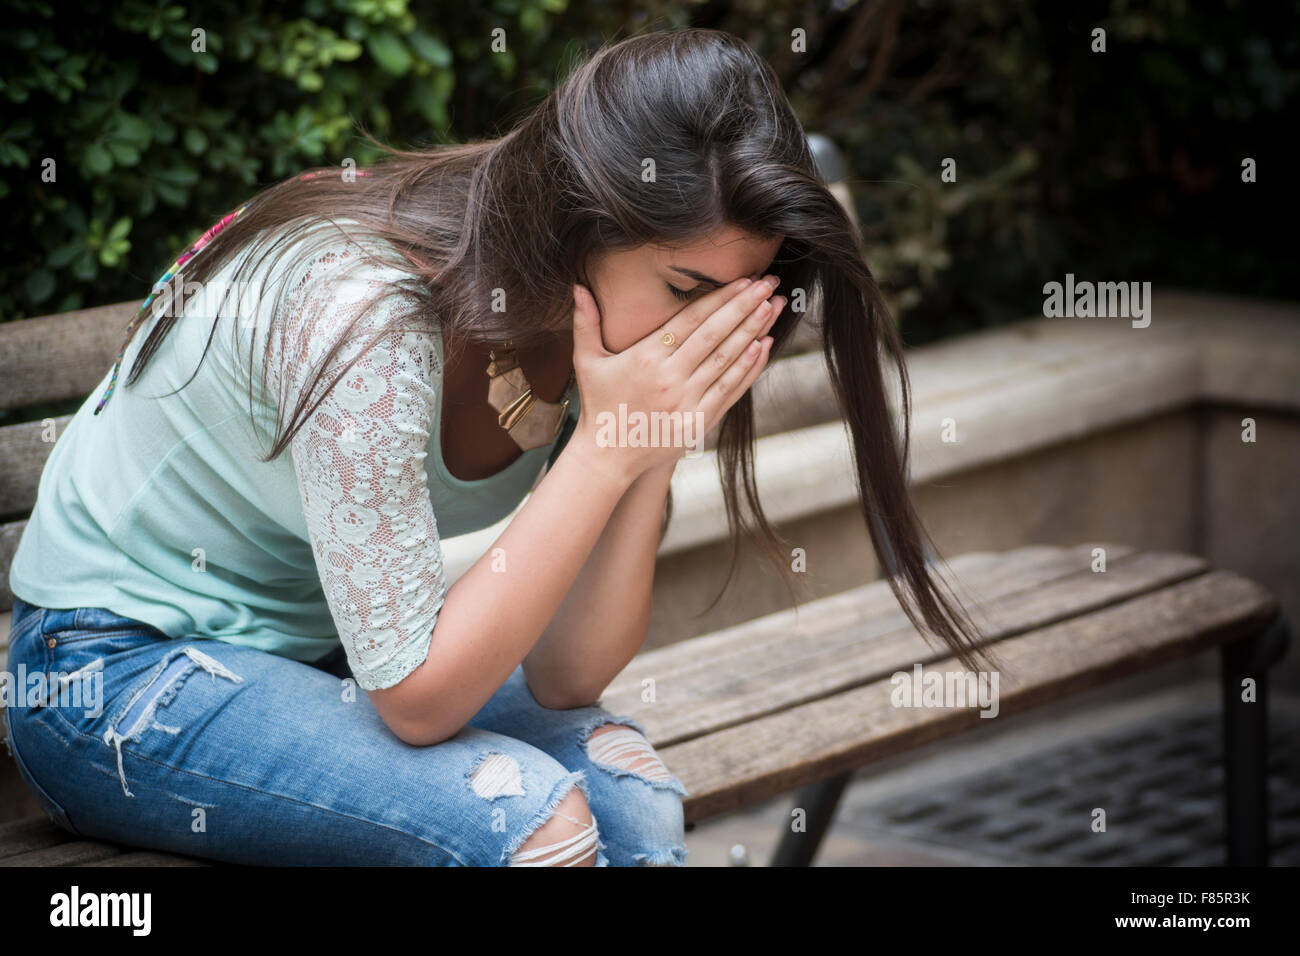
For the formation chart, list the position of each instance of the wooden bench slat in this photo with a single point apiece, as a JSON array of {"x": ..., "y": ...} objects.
[
  {"x": 853, "y": 638},
  {"x": 767, "y": 683},
  {"x": 33, "y": 833},
  {"x": 75, "y": 853},
  {"x": 9, "y": 536},
  {"x": 24, "y": 451},
  {"x": 149, "y": 858},
  {"x": 6, "y": 627},
  {"x": 776, "y": 753},
  {"x": 983, "y": 573},
  {"x": 55, "y": 357}
]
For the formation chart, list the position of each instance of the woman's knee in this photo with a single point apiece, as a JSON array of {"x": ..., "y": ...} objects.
[
  {"x": 568, "y": 838},
  {"x": 638, "y": 797}
]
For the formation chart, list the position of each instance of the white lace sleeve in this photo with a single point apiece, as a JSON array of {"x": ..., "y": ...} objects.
[{"x": 359, "y": 460}]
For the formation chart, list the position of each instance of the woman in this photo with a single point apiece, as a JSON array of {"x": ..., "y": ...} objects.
[{"x": 441, "y": 328}]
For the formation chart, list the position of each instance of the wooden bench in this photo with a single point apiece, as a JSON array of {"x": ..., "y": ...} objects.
[{"x": 788, "y": 701}]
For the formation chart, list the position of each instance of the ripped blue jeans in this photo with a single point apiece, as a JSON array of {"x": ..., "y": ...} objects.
[{"x": 229, "y": 753}]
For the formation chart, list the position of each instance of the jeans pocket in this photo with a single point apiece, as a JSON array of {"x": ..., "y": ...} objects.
[{"x": 42, "y": 796}]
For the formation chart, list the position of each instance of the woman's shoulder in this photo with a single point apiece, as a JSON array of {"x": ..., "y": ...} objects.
[
  {"x": 346, "y": 290},
  {"x": 338, "y": 248}
]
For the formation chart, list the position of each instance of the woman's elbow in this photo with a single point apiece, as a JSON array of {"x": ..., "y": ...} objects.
[{"x": 404, "y": 709}]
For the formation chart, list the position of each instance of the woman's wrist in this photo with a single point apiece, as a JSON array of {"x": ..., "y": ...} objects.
[{"x": 605, "y": 462}]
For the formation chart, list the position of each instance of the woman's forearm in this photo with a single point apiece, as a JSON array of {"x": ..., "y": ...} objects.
[
  {"x": 603, "y": 620},
  {"x": 496, "y": 610}
]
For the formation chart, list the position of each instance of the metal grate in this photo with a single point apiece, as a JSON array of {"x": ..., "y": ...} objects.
[{"x": 1160, "y": 783}]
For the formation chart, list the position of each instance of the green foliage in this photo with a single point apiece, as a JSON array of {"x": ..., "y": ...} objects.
[
  {"x": 131, "y": 126},
  {"x": 160, "y": 117}
]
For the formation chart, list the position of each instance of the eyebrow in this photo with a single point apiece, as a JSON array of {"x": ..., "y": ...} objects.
[{"x": 699, "y": 276}]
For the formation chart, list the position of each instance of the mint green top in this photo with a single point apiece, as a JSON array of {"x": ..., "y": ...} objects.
[{"x": 158, "y": 508}]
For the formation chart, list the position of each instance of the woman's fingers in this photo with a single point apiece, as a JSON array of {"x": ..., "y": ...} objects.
[
  {"x": 692, "y": 316},
  {"x": 733, "y": 382},
  {"x": 587, "y": 340},
  {"x": 752, "y": 328},
  {"x": 701, "y": 343}
]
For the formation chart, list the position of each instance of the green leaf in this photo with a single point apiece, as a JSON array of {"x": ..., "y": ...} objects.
[
  {"x": 133, "y": 128},
  {"x": 177, "y": 175},
  {"x": 12, "y": 155},
  {"x": 196, "y": 141},
  {"x": 75, "y": 219},
  {"x": 98, "y": 160},
  {"x": 63, "y": 255},
  {"x": 86, "y": 267},
  {"x": 172, "y": 195},
  {"x": 124, "y": 153},
  {"x": 531, "y": 20},
  {"x": 430, "y": 48},
  {"x": 346, "y": 50},
  {"x": 389, "y": 52},
  {"x": 40, "y": 285}
]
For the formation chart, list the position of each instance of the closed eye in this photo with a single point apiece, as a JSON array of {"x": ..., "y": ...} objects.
[{"x": 684, "y": 294}]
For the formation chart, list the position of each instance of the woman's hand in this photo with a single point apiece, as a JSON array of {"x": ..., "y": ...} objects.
[{"x": 716, "y": 355}]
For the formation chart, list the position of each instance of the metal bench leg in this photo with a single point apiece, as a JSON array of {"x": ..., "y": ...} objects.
[
  {"x": 1245, "y": 742},
  {"x": 818, "y": 801}
]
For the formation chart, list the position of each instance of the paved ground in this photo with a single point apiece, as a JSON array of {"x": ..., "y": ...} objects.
[{"x": 1025, "y": 793}]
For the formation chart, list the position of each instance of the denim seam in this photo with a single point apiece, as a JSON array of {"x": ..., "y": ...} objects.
[
  {"x": 62, "y": 636},
  {"x": 26, "y": 771},
  {"x": 29, "y": 626},
  {"x": 278, "y": 796}
]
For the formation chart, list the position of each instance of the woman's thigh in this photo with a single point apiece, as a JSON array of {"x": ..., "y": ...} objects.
[
  {"x": 230, "y": 753},
  {"x": 636, "y": 799}
]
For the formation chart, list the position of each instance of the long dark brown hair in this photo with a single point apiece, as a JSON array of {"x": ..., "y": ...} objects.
[{"x": 525, "y": 212}]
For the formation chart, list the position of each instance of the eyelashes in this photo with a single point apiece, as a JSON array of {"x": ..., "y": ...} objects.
[{"x": 684, "y": 296}]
